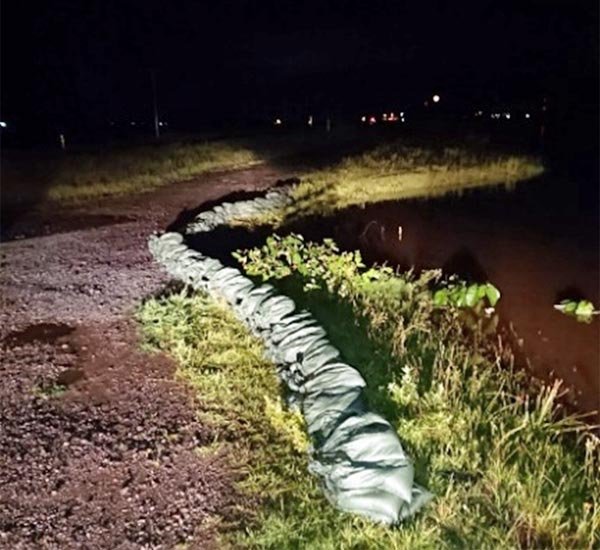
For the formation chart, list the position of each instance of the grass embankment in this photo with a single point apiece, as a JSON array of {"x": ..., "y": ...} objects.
[
  {"x": 128, "y": 168},
  {"x": 507, "y": 468},
  {"x": 400, "y": 170},
  {"x": 385, "y": 172},
  {"x": 83, "y": 176}
]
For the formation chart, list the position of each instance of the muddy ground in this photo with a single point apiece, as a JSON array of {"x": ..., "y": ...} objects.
[{"x": 98, "y": 439}]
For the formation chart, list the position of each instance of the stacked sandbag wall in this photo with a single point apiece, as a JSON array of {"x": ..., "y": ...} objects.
[{"x": 355, "y": 453}]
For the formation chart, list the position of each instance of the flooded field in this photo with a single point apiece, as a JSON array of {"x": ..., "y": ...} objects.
[{"x": 538, "y": 244}]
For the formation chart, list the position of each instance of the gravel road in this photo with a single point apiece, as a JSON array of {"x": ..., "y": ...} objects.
[{"x": 110, "y": 462}]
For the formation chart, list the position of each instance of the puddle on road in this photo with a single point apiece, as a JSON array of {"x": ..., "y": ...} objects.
[
  {"x": 70, "y": 376},
  {"x": 44, "y": 333}
]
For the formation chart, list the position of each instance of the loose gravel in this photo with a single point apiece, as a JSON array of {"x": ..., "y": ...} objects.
[{"x": 98, "y": 440}]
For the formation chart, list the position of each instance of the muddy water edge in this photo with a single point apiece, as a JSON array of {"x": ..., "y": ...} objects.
[{"x": 538, "y": 244}]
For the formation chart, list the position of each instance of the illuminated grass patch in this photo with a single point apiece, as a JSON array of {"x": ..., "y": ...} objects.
[
  {"x": 402, "y": 171},
  {"x": 137, "y": 169}
]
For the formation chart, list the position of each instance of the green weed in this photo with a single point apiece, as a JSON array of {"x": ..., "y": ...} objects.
[
  {"x": 50, "y": 391},
  {"x": 582, "y": 310}
]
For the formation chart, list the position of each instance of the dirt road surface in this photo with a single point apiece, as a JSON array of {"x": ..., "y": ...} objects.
[{"x": 110, "y": 462}]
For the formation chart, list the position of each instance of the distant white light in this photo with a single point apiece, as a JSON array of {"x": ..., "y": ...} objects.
[
  {"x": 132, "y": 123},
  {"x": 161, "y": 123},
  {"x": 384, "y": 116},
  {"x": 363, "y": 119},
  {"x": 310, "y": 120},
  {"x": 402, "y": 113},
  {"x": 507, "y": 116},
  {"x": 2, "y": 124},
  {"x": 277, "y": 122},
  {"x": 436, "y": 98},
  {"x": 527, "y": 115}
]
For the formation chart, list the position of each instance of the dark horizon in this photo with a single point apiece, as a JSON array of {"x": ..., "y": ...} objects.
[{"x": 81, "y": 66}]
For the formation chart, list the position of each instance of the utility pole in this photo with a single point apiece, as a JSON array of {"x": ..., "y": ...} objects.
[{"x": 155, "y": 104}]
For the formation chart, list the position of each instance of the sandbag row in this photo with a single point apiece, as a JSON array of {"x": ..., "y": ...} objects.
[
  {"x": 356, "y": 454},
  {"x": 226, "y": 212}
]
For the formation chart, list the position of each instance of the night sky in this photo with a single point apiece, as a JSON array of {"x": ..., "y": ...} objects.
[{"x": 85, "y": 63}]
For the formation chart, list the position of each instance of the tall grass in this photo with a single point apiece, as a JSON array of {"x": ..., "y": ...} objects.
[
  {"x": 79, "y": 176},
  {"x": 390, "y": 171},
  {"x": 398, "y": 171},
  {"x": 509, "y": 469},
  {"x": 143, "y": 168}
]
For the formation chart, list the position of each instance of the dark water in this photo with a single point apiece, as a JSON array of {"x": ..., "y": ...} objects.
[
  {"x": 538, "y": 244},
  {"x": 45, "y": 333}
]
